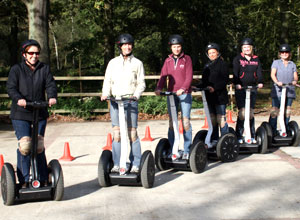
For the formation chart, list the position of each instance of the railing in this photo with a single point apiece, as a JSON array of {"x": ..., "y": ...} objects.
[{"x": 95, "y": 94}]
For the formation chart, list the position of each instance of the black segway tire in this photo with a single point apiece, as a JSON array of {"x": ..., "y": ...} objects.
[
  {"x": 198, "y": 157},
  {"x": 161, "y": 152},
  {"x": 147, "y": 171},
  {"x": 228, "y": 148},
  {"x": 57, "y": 180},
  {"x": 231, "y": 130},
  {"x": 268, "y": 129},
  {"x": 200, "y": 136},
  {"x": 105, "y": 164},
  {"x": 8, "y": 184},
  {"x": 294, "y": 129},
  {"x": 262, "y": 139}
]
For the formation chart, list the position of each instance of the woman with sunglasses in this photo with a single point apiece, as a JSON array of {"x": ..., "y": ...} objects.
[
  {"x": 28, "y": 81},
  {"x": 283, "y": 71}
]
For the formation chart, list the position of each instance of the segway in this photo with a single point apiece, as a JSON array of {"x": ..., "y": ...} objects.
[
  {"x": 146, "y": 174},
  {"x": 227, "y": 148},
  {"x": 261, "y": 145},
  {"x": 284, "y": 136},
  {"x": 164, "y": 153},
  {"x": 54, "y": 189}
]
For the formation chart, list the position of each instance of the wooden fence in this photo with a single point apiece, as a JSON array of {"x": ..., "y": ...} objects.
[{"x": 93, "y": 94}]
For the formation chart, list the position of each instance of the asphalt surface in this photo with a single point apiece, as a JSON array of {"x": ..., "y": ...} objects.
[{"x": 256, "y": 186}]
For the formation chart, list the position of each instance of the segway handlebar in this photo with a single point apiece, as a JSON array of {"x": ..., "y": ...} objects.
[
  {"x": 287, "y": 84},
  {"x": 167, "y": 93},
  {"x": 196, "y": 89},
  {"x": 121, "y": 98},
  {"x": 38, "y": 104},
  {"x": 249, "y": 87}
]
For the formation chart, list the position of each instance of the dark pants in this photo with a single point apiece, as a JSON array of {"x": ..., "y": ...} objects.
[{"x": 23, "y": 128}]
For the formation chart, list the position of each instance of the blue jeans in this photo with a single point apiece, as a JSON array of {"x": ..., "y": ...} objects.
[
  {"x": 131, "y": 115},
  {"x": 240, "y": 97},
  {"x": 185, "y": 101},
  {"x": 218, "y": 110},
  {"x": 273, "y": 121},
  {"x": 23, "y": 128}
]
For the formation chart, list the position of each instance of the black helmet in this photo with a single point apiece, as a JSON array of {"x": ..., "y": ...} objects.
[
  {"x": 175, "y": 39},
  {"x": 212, "y": 46},
  {"x": 247, "y": 41},
  {"x": 284, "y": 48},
  {"x": 125, "y": 39},
  {"x": 29, "y": 42}
]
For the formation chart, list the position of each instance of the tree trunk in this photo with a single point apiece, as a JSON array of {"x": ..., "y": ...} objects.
[
  {"x": 38, "y": 25},
  {"x": 284, "y": 36},
  {"x": 13, "y": 41}
]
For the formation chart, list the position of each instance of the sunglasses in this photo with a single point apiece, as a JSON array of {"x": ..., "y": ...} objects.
[{"x": 31, "y": 53}]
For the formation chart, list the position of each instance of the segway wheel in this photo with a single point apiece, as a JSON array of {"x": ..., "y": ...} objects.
[
  {"x": 200, "y": 136},
  {"x": 147, "y": 171},
  {"x": 262, "y": 139},
  {"x": 57, "y": 178},
  {"x": 105, "y": 164},
  {"x": 231, "y": 130},
  {"x": 8, "y": 184},
  {"x": 228, "y": 148},
  {"x": 198, "y": 157},
  {"x": 161, "y": 152},
  {"x": 268, "y": 129},
  {"x": 294, "y": 129}
]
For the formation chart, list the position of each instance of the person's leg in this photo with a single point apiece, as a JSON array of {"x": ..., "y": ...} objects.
[
  {"x": 23, "y": 134},
  {"x": 274, "y": 114},
  {"x": 186, "y": 105},
  {"x": 116, "y": 143},
  {"x": 221, "y": 118},
  {"x": 252, "y": 120},
  {"x": 132, "y": 122}
]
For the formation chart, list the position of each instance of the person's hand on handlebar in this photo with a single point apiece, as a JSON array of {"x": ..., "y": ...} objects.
[
  {"x": 179, "y": 92},
  {"x": 294, "y": 82},
  {"x": 52, "y": 101},
  {"x": 260, "y": 85},
  {"x": 211, "y": 89},
  {"x": 22, "y": 103},
  {"x": 157, "y": 92},
  {"x": 238, "y": 86},
  {"x": 103, "y": 98},
  {"x": 279, "y": 83}
]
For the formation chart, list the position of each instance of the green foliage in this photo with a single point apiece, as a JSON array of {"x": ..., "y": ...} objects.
[{"x": 153, "y": 105}]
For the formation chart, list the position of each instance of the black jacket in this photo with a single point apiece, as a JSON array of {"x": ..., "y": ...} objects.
[
  {"x": 247, "y": 73},
  {"x": 23, "y": 83},
  {"x": 215, "y": 74}
]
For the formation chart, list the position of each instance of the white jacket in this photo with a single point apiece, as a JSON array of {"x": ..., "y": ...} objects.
[{"x": 124, "y": 77}]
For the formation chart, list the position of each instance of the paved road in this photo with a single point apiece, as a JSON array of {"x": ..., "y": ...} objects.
[{"x": 254, "y": 187}]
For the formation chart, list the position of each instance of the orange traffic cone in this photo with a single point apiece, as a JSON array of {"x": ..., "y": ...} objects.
[
  {"x": 180, "y": 127},
  {"x": 147, "y": 135},
  {"x": 205, "y": 123},
  {"x": 67, "y": 156},
  {"x": 108, "y": 143},
  {"x": 1, "y": 163},
  {"x": 229, "y": 117}
]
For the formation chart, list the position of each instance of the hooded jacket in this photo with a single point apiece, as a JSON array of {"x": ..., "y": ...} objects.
[{"x": 23, "y": 83}]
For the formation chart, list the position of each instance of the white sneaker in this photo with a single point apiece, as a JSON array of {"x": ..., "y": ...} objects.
[
  {"x": 241, "y": 141},
  {"x": 253, "y": 141},
  {"x": 185, "y": 156},
  {"x": 115, "y": 169},
  {"x": 177, "y": 156},
  {"x": 122, "y": 171},
  {"x": 135, "y": 169}
]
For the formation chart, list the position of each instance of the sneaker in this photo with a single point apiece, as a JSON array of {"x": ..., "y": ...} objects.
[
  {"x": 253, "y": 141},
  {"x": 241, "y": 141},
  {"x": 115, "y": 169},
  {"x": 185, "y": 156},
  {"x": 177, "y": 156},
  {"x": 135, "y": 169},
  {"x": 214, "y": 143},
  {"x": 122, "y": 171}
]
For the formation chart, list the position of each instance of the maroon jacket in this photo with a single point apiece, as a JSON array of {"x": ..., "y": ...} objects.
[{"x": 180, "y": 74}]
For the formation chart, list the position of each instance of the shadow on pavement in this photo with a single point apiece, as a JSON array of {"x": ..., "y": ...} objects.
[
  {"x": 81, "y": 189},
  {"x": 165, "y": 177}
]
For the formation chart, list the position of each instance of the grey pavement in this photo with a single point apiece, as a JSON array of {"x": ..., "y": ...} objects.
[{"x": 256, "y": 186}]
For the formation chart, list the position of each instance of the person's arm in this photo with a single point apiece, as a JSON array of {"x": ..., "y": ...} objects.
[
  {"x": 51, "y": 88},
  {"x": 274, "y": 77},
  {"x": 141, "y": 85},
  {"x": 163, "y": 76},
  {"x": 106, "y": 88},
  {"x": 236, "y": 70},
  {"x": 295, "y": 78},
  {"x": 260, "y": 78},
  {"x": 12, "y": 85}
]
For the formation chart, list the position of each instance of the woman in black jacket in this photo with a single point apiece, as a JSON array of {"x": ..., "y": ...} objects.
[
  {"x": 215, "y": 77},
  {"x": 246, "y": 72},
  {"x": 27, "y": 82}
]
